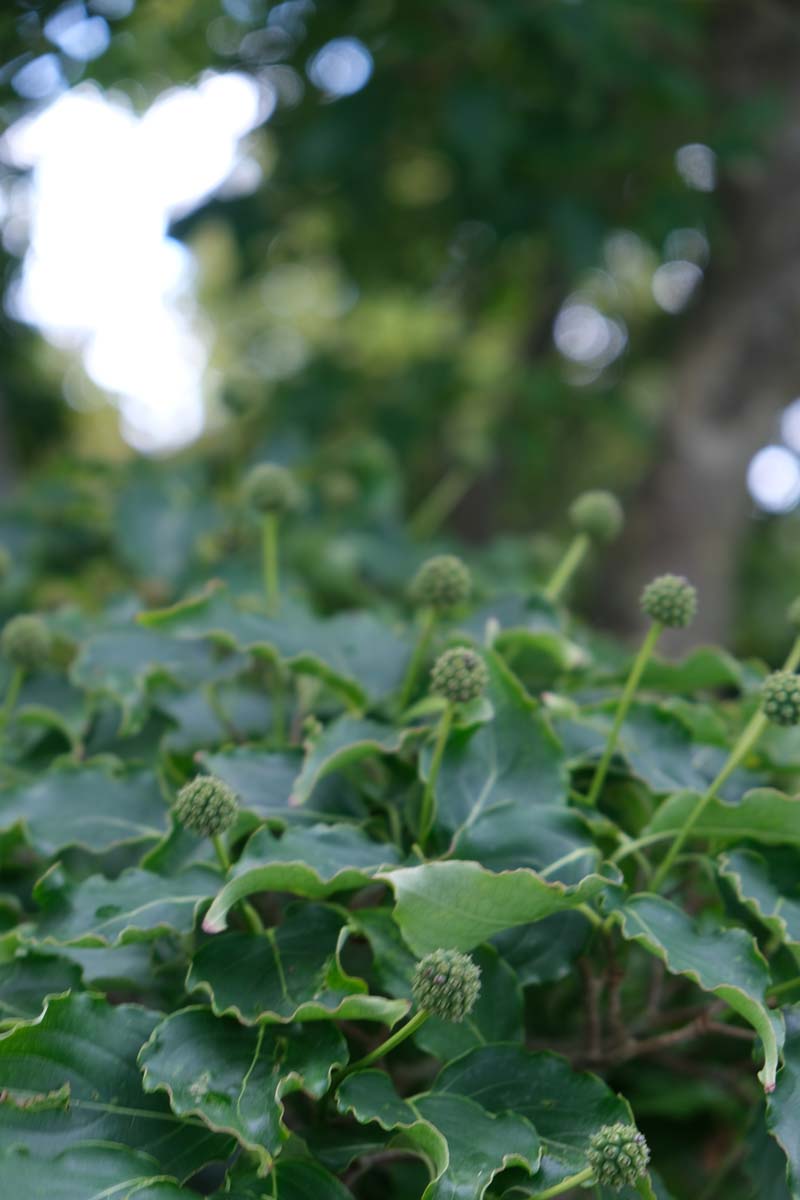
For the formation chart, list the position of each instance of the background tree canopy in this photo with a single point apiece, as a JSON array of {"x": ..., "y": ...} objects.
[{"x": 528, "y": 247}]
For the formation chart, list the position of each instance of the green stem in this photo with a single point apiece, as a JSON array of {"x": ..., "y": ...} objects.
[
  {"x": 747, "y": 740},
  {"x": 566, "y": 1185},
  {"x": 250, "y": 915},
  {"x": 427, "y": 626},
  {"x": 439, "y": 503},
  {"x": 14, "y": 684},
  {"x": 566, "y": 568},
  {"x": 629, "y": 691},
  {"x": 777, "y": 989},
  {"x": 386, "y": 1047},
  {"x": 426, "y": 810},
  {"x": 269, "y": 548}
]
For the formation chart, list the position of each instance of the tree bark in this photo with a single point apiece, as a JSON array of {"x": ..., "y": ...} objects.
[{"x": 738, "y": 363}]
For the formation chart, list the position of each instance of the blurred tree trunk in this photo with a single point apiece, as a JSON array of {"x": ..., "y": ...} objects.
[{"x": 738, "y": 364}]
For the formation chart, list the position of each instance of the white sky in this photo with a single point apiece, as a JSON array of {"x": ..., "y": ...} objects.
[{"x": 101, "y": 273}]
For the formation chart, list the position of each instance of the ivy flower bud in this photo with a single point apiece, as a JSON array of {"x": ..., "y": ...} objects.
[
  {"x": 459, "y": 675},
  {"x": 618, "y": 1155},
  {"x": 780, "y": 697},
  {"x": 270, "y": 488},
  {"x": 206, "y": 805},
  {"x": 446, "y": 984},
  {"x": 670, "y": 600},
  {"x": 26, "y": 641},
  {"x": 441, "y": 583},
  {"x": 597, "y": 514}
]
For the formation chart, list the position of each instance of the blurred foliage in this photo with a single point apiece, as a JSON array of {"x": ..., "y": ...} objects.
[{"x": 400, "y": 267}]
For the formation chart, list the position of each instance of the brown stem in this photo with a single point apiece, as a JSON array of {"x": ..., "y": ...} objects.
[{"x": 593, "y": 988}]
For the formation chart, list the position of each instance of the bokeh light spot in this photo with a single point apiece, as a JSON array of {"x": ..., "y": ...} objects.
[
  {"x": 342, "y": 67},
  {"x": 697, "y": 166},
  {"x": 674, "y": 283},
  {"x": 773, "y": 479}
]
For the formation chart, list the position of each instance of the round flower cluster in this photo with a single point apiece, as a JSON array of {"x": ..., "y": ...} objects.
[
  {"x": 26, "y": 641},
  {"x": 671, "y": 600},
  {"x": 618, "y": 1155},
  {"x": 270, "y": 488},
  {"x": 459, "y": 675},
  {"x": 206, "y": 805},
  {"x": 597, "y": 514},
  {"x": 780, "y": 697},
  {"x": 446, "y": 984},
  {"x": 441, "y": 583}
]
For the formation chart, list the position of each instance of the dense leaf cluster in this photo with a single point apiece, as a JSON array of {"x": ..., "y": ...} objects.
[{"x": 241, "y": 987}]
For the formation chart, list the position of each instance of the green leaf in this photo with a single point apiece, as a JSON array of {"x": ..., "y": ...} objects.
[
  {"x": 136, "y": 906},
  {"x": 240, "y": 712},
  {"x": 767, "y": 884},
  {"x": 84, "y": 1042},
  {"x": 465, "y": 1145},
  {"x": 510, "y": 834},
  {"x": 123, "y": 663},
  {"x": 314, "y": 862},
  {"x": 262, "y": 779},
  {"x": 233, "y": 1077},
  {"x": 489, "y": 771},
  {"x": 706, "y": 668},
  {"x": 544, "y": 952},
  {"x": 656, "y": 746},
  {"x": 460, "y": 904},
  {"x": 782, "y": 1105},
  {"x": 27, "y": 977},
  {"x": 353, "y": 652},
  {"x": 726, "y": 962},
  {"x": 293, "y": 974},
  {"x": 342, "y": 743},
  {"x": 295, "y": 1179},
  {"x": 563, "y": 1106},
  {"x": 762, "y": 815},
  {"x": 92, "y": 1171},
  {"x": 93, "y": 805}
]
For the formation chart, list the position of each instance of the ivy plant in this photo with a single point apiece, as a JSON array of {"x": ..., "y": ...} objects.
[{"x": 437, "y": 894}]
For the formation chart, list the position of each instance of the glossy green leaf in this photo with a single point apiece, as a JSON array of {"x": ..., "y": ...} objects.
[
  {"x": 233, "y": 1077},
  {"x": 782, "y": 1105},
  {"x": 295, "y": 1179},
  {"x": 292, "y": 974},
  {"x": 564, "y": 1107},
  {"x": 262, "y": 778},
  {"x": 342, "y": 743},
  {"x": 510, "y": 764},
  {"x": 90, "y": 1172},
  {"x": 460, "y": 904},
  {"x": 313, "y": 862},
  {"x": 706, "y": 668},
  {"x": 93, "y": 805},
  {"x": 136, "y": 906},
  {"x": 353, "y": 652},
  {"x": 27, "y": 976},
  {"x": 465, "y": 1145},
  {"x": 123, "y": 663},
  {"x": 546, "y": 951},
  {"x": 762, "y": 815},
  {"x": 767, "y": 883},
  {"x": 726, "y": 962},
  {"x": 656, "y": 747},
  {"x": 91, "y": 1046},
  {"x": 238, "y": 712}
]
